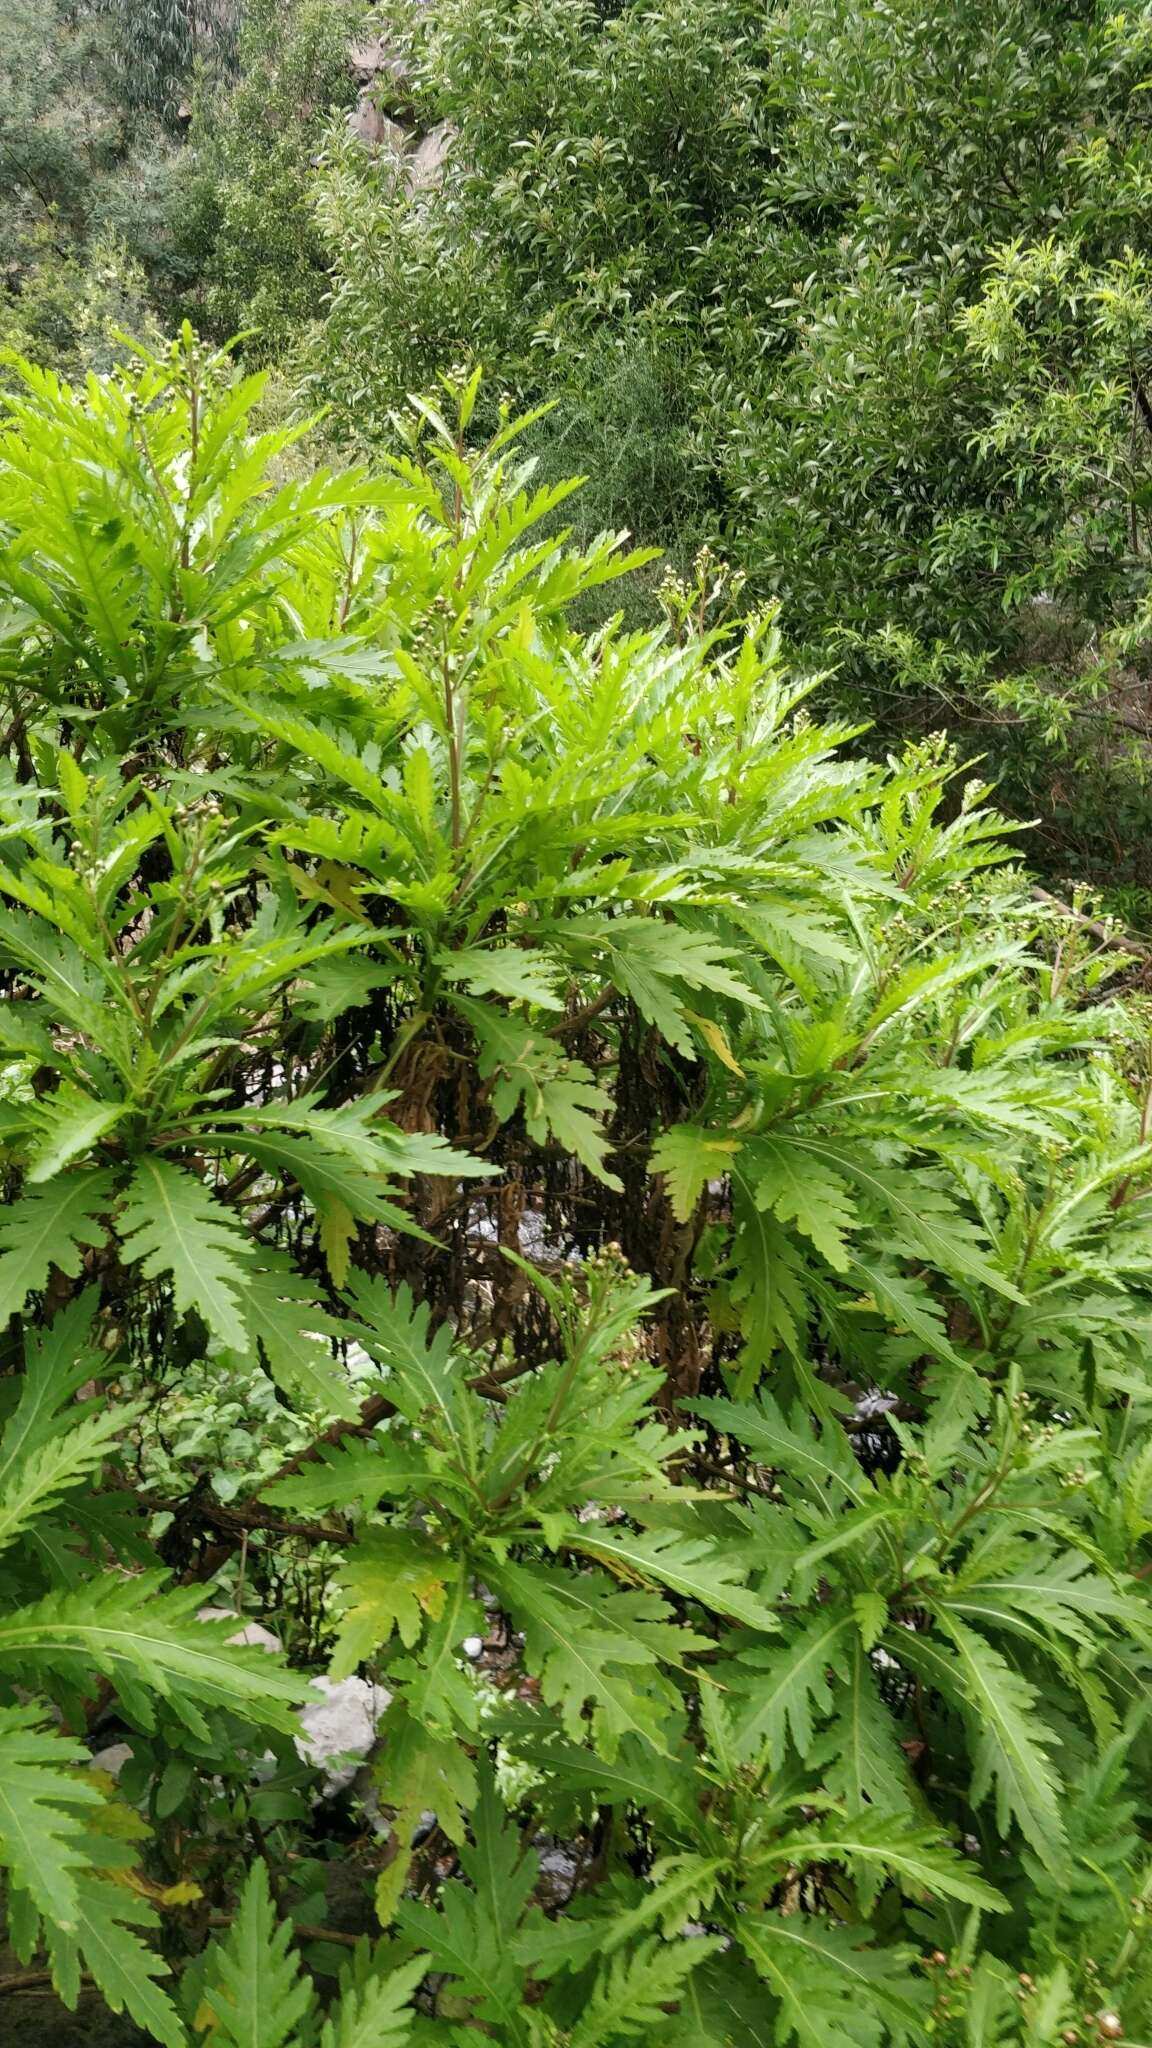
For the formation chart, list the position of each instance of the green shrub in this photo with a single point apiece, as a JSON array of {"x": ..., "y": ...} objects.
[
  {"x": 688, "y": 1193},
  {"x": 242, "y": 209},
  {"x": 156, "y": 47},
  {"x": 746, "y": 252}
]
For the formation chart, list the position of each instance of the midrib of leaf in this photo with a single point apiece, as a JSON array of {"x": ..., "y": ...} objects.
[
  {"x": 948, "y": 1251},
  {"x": 598, "y": 1682}
]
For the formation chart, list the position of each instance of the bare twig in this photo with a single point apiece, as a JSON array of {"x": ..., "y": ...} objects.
[{"x": 1118, "y": 942}]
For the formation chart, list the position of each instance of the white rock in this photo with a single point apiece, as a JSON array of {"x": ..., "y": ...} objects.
[
  {"x": 472, "y": 1646},
  {"x": 260, "y": 1637},
  {"x": 252, "y": 1632},
  {"x": 341, "y": 1724},
  {"x": 112, "y": 1759},
  {"x": 427, "y": 160}
]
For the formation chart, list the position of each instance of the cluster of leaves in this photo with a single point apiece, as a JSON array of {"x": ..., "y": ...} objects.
[
  {"x": 157, "y": 47},
  {"x": 799, "y": 297},
  {"x": 156, "y": 158},
  {"x": 63, "y": 144},
  {"x": 767, "y": 261},
  {"x": 692, "y": 1198},
  {"x": 249, "y": 252}
]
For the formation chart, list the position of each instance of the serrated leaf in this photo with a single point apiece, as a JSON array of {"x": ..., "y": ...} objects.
[
  {"x": 57, "y": 1362},
  {"x": 871, "y": 1611},
  {"x": 801, "y": 1191},
  {"x": 570, "y": 1107},
  {"x": 359, "y": 1474},
  {"x": 770, "y": 1285},
  {"x": 44, "y": 1229},
  {"x": 690, "y": 1158},
  {"x": 859, "y": 1754},
  {"x": 253, "y": 1986},
  {"x": 653, "y": 961},
  {"x": 439, "y": 1690},
  {"x": 356, "y": 1136},
  {"x": 176, "y": 1229},
  {"x": 910, "y": 1303},
  {"x": 1010, "y": 1743},
  {"x": 635, "y": 1776},
  {"x": 341, "y": 1191},
  {"x": 68, "y": 1129},
  {"x": 415, "y": 1772},
  {"x": 472, "y": 1935},
  {"x": 584, "y": 1639},
  {"x": 332, "y": 987},
  {"x": 915, "y": 1857},
  {"x": 559, "y": 1096},
  {"x": 391, "y": 1580},
  {"x": 823, "y": 1462},
  {"x": 784, "y": 1691},
  {"x": 106, "y": 1944},
  {"x": 928, "y": 1220},
  {"x": 631, "y": 1993},
  {"x": 44, "y": 1803},
  {"x": 398, "y": 1331},
  {"x": 148, "y": 1641},
  {"x": 833, "y": 1991},
  {"x": 376, "y": 2014},
  {"x": 510, "y": 971},
  {"x": 692, "y": 1566},
  {"x": 38, "y": 1483},
  {"x": 721, "y": 2006},
  {"x": 284, "y": 1321}
]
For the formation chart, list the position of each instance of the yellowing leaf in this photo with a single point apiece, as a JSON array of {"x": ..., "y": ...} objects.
[
  {"x": 690, "y": 1158},
  {"x": 712, "y": 1034},
  {"x": 337, "y": 1229},
  {"x": 392, "y": 1580}
]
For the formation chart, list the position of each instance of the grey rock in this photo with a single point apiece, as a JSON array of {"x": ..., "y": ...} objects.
[
  {"x": 252, "y": 1632},
  {"x": 112, "y": 1759},
  {"x": 371, "y": 126},
  {"x": 341, "y": 1725},
  {"x": 425, "y": 163},
  {"x": 259, "y": 1637}
]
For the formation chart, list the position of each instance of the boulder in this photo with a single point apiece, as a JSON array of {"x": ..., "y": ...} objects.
[
  {"x": 374, "y": 128},
  {"x": 340, "y": 1727},
  {"x": 426, "y": 160}
]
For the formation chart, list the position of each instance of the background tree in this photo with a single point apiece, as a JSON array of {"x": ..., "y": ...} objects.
[{"x": 741, "y": 250}]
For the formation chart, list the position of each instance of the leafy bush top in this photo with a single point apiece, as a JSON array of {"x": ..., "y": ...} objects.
[
  {"x": 755, "y": 254},
  {"x": 690, "y": 1193}
]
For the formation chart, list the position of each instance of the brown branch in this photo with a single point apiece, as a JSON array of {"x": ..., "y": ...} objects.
[
  {"x": 28, "y": 1980},
  {"x": 304, "y": 1933},
  {"x": 238, "y": 1520},
  {"x": 34, "y": 1980},
  {"x": 590, "y": 1011},
  {"x": 1117, "y": 942},
  {"x": 300, "y": 1931}
]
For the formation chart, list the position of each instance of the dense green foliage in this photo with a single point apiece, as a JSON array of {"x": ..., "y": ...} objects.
[
  {"x": 560, "y": 1177},
  {"x": 855, "y": 298},
  {"x": 575, "y": 1083},
  {"x": 157, "y": 159},
  {"x": 856, "y": 295}
]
